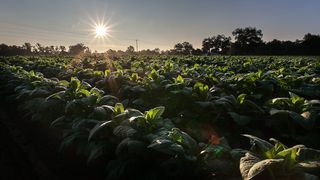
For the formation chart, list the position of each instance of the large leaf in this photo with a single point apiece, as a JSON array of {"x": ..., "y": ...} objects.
[
  {"x": 251, "y": 166},
  {"x": 246, "y": 164},
  {"x": 130, "y": 146},
  {"x": 303, "y": 119},
  {"x": 241, "y": 98},
  {"x": 308, "y": 154},
  {"x": 308, "y": 166},
  {"x": 184, "y": 139},
  {"x": 99, "y": 127},
  {"x": 154, "y": 113},
  {"x": 166, "y": 146},
  {"x": 58, "y": 122},
  {"x": 261, "y": 166},
  {"x": 96, "y": 151},
  {"x": 108, "y": 100},
  {"x": 74, "y": 83},
  {"x": 118, "y": 108},
  {"x": 124, "y": 131},
  {"x": 240, "y": 119},
  {"x": 263, "y": 145},
  {"x": 57, "y": 95},
  {"x": 98, "y": 113}
]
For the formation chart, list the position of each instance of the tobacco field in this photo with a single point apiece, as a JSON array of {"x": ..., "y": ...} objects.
[{"x": 173, "y": 117}]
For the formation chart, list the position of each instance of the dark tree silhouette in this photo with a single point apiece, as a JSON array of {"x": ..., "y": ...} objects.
[
  {"x": 311, "y": 44},
  {"x": 219, "y": 44},
  {"x": 184, "y": 48},
  {"x": 27, "y": 47},
  {"x": 130, "y": 50},
  {"x": 248, "y": 40},
  {"x": 197, "y": 52},
  {"x": 62, "y": 50},
  {"x": 78, "y": 49}
]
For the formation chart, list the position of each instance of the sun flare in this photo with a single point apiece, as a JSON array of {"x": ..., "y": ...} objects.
[{"x": 101, "y": 31}]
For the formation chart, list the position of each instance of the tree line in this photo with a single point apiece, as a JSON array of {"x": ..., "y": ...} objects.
[
  {"x": 38, "y": 49},
  {"x": 247, "y": 41}
]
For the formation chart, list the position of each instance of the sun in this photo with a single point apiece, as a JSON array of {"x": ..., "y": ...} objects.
[{"x": 101, "y": 31}]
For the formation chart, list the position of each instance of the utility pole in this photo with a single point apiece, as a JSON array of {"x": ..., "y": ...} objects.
[{"x": 137, "y": 45}]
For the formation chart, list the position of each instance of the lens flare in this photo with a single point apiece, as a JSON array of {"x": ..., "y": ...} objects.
[{"x": 101, "y": 31}]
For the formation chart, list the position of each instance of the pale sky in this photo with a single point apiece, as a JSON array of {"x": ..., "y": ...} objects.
[{"x": 155, "y": 23}]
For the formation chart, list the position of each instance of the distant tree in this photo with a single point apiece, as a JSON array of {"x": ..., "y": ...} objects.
[
  {"x": 27, "y": 47},
  {"x": 156, "y": 50},
  {"x": 219, "y": 44},
  {"x": 4, "y": 50},
  {"x": 274, "y": 47},
  {"x": 197, "y": 52},
  {"x": 39, "y": 49},
  {"x": 77, "y": 49},
  {"x": 311, "y": 44},
  {"x": 149, "y": 52},
  {"x": 248, "y": 40},
  {"x": 207, "y": 45},
  {"x": 130, "y": 50},
  {"x": 62, "y": 50},
  {"x": 178, "y": 48},
  {"x": 184, "y": 48}
]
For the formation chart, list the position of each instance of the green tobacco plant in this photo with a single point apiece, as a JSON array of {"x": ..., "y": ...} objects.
[
  {"x": 268, "y": 161},
  {"x": 201, "y": 90},
  {"x": 295, "y": 108}
]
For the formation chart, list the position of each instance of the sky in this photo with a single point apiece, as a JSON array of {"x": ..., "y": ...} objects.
[{"x": 154, "y": 23}]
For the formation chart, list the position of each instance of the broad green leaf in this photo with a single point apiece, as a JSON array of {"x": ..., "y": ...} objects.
[
  {"x": 308, "y": 154},
  {"x": 118, "y": 108},
  {"x": 166, "y": 146},
  {"x": 57, "y": 95},
  {"x": 299, "y": 119},
  {"x": 99, "y": 127},
  {"x": 241, "y": 98},
  {"x": 136, "y": 118},
  {"x": 179, "y": 79},
  {"x": 84, "y": 92},
  {"x": 273, "y": 152},
  {"x": 84, "y": 85},
  {"x": 58, "y": 122},
  {"x": 74, "y": 83},
  {"x": 134, "y": 77},
  {"x": 99, "y": 113},
  {"x": 108, "y": 100},
  {"x": 107, "y": 73},
  {"x": 130, "y": 146},
  {"x": 154, "y": 113},
  {"x": 63, "y": 83},
  {"x": 184, "y": 139},
  {"x": 124, "y": 131},
  {"x": 96, "y": 151},
  {"x": 240, "y": 119}
]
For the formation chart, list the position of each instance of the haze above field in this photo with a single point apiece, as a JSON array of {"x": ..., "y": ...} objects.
[{"x": 155, "y": 23}]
